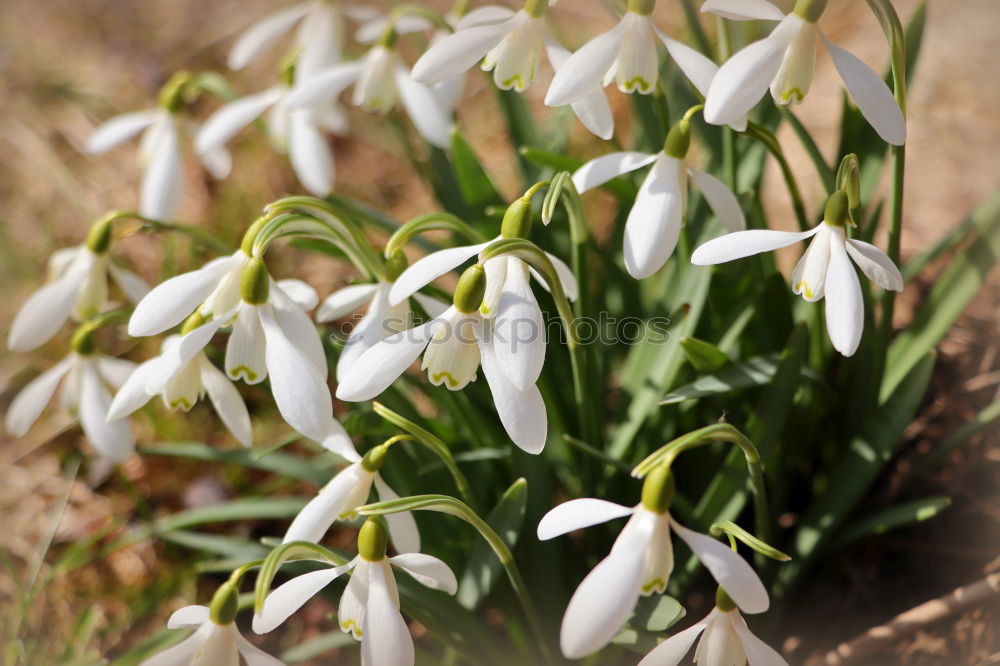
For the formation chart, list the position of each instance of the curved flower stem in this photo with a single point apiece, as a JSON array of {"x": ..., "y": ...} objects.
[
  {"x": 200, "y": 236},
  {"x": 430, "y": 222},
  {"x": 455, "y": 507},
  {"x": 725, "y": 33},
  {"x": 770, "y": 142}
]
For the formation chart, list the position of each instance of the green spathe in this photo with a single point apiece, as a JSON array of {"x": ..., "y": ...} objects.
[
  {"x": 837, "y": 209},
  {"x": 471, "y": 289},
  {"x": 99, "y": 236},
  {"x": 395, "y": 265},
  {"x": 373, "y": 539},
  {"x": 641, "y": 7},
  {"x": 255, "y": 283},
  {"x": 517, "y": 219},
  {"x": 723, "y": 601},
  {"x": 678, "y": 139},
  {"x": 658, "y": 490},
  {"x": 225, "y": 604},
  {"x": 810, "y": 10}
]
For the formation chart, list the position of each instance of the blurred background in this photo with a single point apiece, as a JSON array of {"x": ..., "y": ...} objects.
[{"x": 77, "y": 579}]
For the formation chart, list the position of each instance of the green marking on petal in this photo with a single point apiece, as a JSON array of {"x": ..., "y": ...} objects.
[
  {"x": 638, "y": 83},
  {"x": 792, "y": 96},
  {"x": 352, "y": 627},
  {"x": 246, "y": 372},
  {"x": 803, "y": 288},
  {"x": 181, "y": 404},
  {"x": 657, "y": 585}
]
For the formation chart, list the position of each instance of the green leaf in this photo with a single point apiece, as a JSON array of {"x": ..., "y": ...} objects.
[
  {"x": 287, "y": 552},
  {"x": 482, "y": 567},
  {"x": 226, "y": 546},
  {"x": 756, "y": 371},
  {"x": 989, "y": 414},
  {"x": 893, "y": 518},
  {"x": 657, "y": 613},
  {"x": 475, "y": 185},
  {"x": 952, "y": 291},
  {"x": 623, "y": 188},
  {"x": 315, "y": 647},
  {"x": 279, "y": 463},
  {"x": 250, "y": 508},
  {"x": 704, "y": 356},
  {"x": 156, "y": 643}
]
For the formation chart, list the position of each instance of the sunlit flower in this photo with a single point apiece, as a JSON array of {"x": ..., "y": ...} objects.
[
  {"x": 210, "y": 645},
  {"x": 160, "y": 150},
  {"x": 78, "y": 288},
  {"x": 272, "y": 336},
  {"x": 726, "y": 641},
  {"x": 640, "y": 563},
  {"x": 824, "y": 270},
  {"x": 85, "y": 377},
  {"x": 785, "y": 62},
  {"x": 369, "y": 607}
]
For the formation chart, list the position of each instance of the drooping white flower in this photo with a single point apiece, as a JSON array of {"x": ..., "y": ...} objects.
[
  {"x": 626, "y": 55},
  {"x": 160, "y": 151},
  {"x": 369, "y": 607},
  {"x": 271, "y": 337},
  {"x": 824, "y": 270},
  {"x": 725, "y": 641},
  {"x": 85, "y": 377},
  {"x": 379, "y": 322},
  {"x": 380, "y": 80},
  {"x": 297, "y": 132},
  {"x": 339, "y": 500},
  {"x": 510, "y": 45},
  {"x": 210, "y": 645},
  {"x": 640, "y": 563},
  {"x": 78, "y": 288},
  {"x": 785, "y": 62},
  {"x": 654, "y": 222},
  {"x": 182, "y": 374}
]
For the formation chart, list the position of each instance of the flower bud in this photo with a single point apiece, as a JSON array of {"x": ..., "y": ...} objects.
[
  {"x": 658, "y": 490},
  {"x": 678, "y": 139},
  {"x": 172, "y": 94},
  {"x": 810, "y": 10},
  {"x": 373, "y": 539},
  {"x": 99, "y": 236},
  {"x": 375, "y": 458},
  {"x": 517, "y": 219},
  {"x": 395, "y": 265},
  {"x": 255, "y": 283},
  {"x": 225, "y": 604},
  {"x": 723, "y": 602},
  {"x": 471, "y": 289},
  {"x": 641, "y": 7},
  {"x": 837, "y": 210},
  {"x": 82, "y": 342}
]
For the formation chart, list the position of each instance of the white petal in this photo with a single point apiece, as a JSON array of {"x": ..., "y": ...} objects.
[
  {"x": 184, "y": 652},
  {"x": 296, "y": 324},
  {"x": 115, "y": 371},
  {"x": 875, "y": 264},
  {"x": 699, "y": 69},
  {"x": 163, "y": 180},
  {"x": 743, "y": 10},
  {"x": 264, "y": 33},
  {"x": 402, "y": 526},
  {"x": 495, "y": 271},
  {"x": 29, "y": 403},
  {"x": 636, "y": 69},
  {"x": 300, "y": 293},
  {"x": 519, "y": 331},
  {"x": 227, "y": 401},
  {"x": 351, "y": 611},
  {"x": 370, "y": 31},
  {"x": 593, "y": 109},
  {"x": 344, "y": 301},
  {"x": 729, "y": 569},
  {"x": 316, "y": 517},
  {"x": 252, "y": 654},
  {"x": 189, "y": 617},
  {"x": 291, "y": 596},
  {"x": 46, "y": 310},
  {"x": 602, "y": 169},
  {"x": 456, "y": 53},
  {"x": 845, "y": 316},
  {"x": 310, "y": 154},
  {"x": 113, "y": 440},
  {"x": 169, "y": 303},
  {"x": 429, "y": 268},
  {"x": 721, "y": 200},
  {"x": 758, "y": 652},
  {"x": 246, "y": 351},
  {"x": 672, "y": 651},
  {"x": 565, "y": 275},
  {"x": 134, "y": 393},
  {"x": 745, "y": 244},
  {"x": 654, "y": 223},
  {"x": 386, "y": 639},
  {"x": 320, "y": 39},
  {"x": 133, "y": 286},
  {"x": 522, "y": 413},
  {"x": 431, "y": 305},
  {"x": 577, "y": 514},
  {"x": 381, "y": 365},
  {"x": 323, "y": 86},
  {"x": 177, "y": 352},
  {"x": 870, "y": 93},
  {"x": 743, "y": 79},
  {"x": 809, "y": 275},
  {"x": 299, "y": 389},
  {"x": 232, "y": 117},
  {"x": 366, "y": 333},
  {"x": 425, "y": 108},
  {"x": 583, "y": 71},
  {"x": 606, "y": 597},
  {"x": 119, "y": 129},
  {"x": 427, "y": 570}
]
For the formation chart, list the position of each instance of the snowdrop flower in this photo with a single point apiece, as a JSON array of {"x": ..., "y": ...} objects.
[
  {"x": 380, "y": 79},
  {"x": 77, "y": 287},
  {"x": 654, "y": 223},
  {"x": 626, "y": 54},
  {"x": 824, "y": 270},
  {"x": 785, "y": 61},
  {"x": 183, "y": 375},
  {"x": 85, "y": 376},
  {"x": 457, "y": 342},
  {"x": 381, "y": 320},
  {"x": 640, "y": 563},
  {"x": 510, "y": 45},
  {"x": 725, "y": 641},
  {"x": 340, "y": 498},
  {"x": 369, "y": 607},
  {"x": 271, "y": 336},
  {"x": 215, "y": 642}
]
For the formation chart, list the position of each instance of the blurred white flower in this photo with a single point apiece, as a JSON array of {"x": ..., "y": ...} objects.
[
  {"x": 785, "y": 62},
  {"x": 210, "y": 645}
]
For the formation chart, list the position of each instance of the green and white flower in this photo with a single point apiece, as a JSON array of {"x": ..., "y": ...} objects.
[{"x": 211, "y": 644}]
